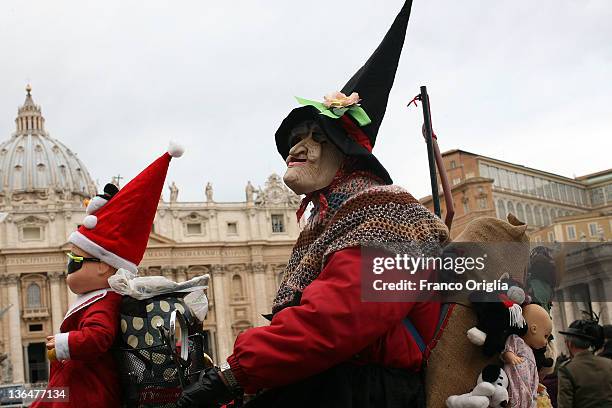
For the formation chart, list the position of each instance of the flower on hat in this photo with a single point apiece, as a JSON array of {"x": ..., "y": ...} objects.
[
  {"x": 340, "y": 100},
  {"x": 336, "y": 104}
]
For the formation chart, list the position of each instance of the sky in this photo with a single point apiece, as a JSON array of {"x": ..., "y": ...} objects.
[{"x": 522, "y": 81}]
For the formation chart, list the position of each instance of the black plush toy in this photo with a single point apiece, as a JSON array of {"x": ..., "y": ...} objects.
[
  {"x": 540, "y": 357},
  {"x": 499, "y": 315}
]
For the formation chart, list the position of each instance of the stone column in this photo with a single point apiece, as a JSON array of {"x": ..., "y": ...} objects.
[
  {"x": 142, "y": 271},
  {"x": 261, "y": 296},
  {"x": 167, "y": 272},
  {"x": 15, "y": 348},
  {"x": 181, "y": 273},
  {"x": 56, "y": 305},
  {"x": 222, "y": 312},
  {"x": 568, "y": 307},
  {"x": 605, "y": 304}
]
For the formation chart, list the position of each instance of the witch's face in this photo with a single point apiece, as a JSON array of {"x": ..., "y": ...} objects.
[{"x": 312, "y": 161}]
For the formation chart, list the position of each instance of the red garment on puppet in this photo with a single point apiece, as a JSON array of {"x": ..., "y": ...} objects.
[
  {"x": 330, "y": 326},
  {"x": 85, "y": 364}
]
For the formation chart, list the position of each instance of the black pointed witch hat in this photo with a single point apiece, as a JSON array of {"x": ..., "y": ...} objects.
[{"x": 353, "y": 128}]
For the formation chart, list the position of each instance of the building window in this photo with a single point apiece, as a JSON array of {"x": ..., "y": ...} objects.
[
  {"x": 511, "y": 209},
  {"x": 528, "y": 214},
  {"x": 545, "y": 217},
  {"x": 278, "y": 223},
  {"x": 237, "y": 288},
  {"x": 547, "y": 191},
  {"x": 539, "y": 187},
  {"x": 513, "y": 181},
  {"x": 33, "y": 296},
  {"x": 576, "y": 194},
  {"x": 522, "y": 183},
  {"x": 501, "y": 210},
  {"x": 555, "y": 191},
  {"x": 194, "y": 228},
  {"x": 519, "y": 212},
  {"x": 35, "y": 327},
  {"x": 597, "y": 196},
  {"x": 482, "y": 203},
  {"x": 537, "y": 216},
  {"x": 466, "y": 206},
  {"x": 503, "y": 177},
  {"x": 456, "y": 181},
  {"x": 531, "y": 185},
  {"x": 484, "y": 170},
  {"x": 453, "y": 165},
  {"x": 494, "y": 174},
  {"x": 583, "y": 198},
  {"x": 563, "y": 192},
  {"x": 551, "y": 236},
  {"x": 571, "y": 232},
  {"x": 232, "y": 228},
  {"x": 593, "y": 228},
  {"x": 31, "y": 233}
]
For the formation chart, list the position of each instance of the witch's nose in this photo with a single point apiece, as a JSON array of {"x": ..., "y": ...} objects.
[{"x": 297, "y": 149}]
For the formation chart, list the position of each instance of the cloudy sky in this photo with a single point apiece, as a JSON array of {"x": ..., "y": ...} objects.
[{"x": 523, "y": 81}]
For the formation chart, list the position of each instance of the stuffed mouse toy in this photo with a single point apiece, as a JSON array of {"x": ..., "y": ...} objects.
[
  {"x": 491, "y": 390},
  {"x": 499, "y": 315}
]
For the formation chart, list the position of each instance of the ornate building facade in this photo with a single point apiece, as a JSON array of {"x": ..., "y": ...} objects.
[
  {"x": 484, "y": 185},
  {"x": 242, "y": 245},
  {"x": 557, "y": 209}
]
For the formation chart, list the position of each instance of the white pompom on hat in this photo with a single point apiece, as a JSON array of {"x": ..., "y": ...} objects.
[
  {"x": 175, "y": 149},
  {"x": 119, "y": 231}
]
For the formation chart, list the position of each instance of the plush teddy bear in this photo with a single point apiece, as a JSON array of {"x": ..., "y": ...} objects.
[
  {"x": 499, "y": 315},
  {"x": 491, "y": 390}
]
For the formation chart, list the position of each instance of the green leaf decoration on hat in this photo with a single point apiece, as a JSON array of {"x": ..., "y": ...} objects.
[{"x": 337, "y": 104}]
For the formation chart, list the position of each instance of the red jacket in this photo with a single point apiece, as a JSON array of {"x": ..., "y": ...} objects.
[
  {"x": 331, "y": 325},
  {"x": 85, "y": 364}
]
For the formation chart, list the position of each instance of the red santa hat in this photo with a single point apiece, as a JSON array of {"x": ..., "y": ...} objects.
[{"x": 116, "y": 229}]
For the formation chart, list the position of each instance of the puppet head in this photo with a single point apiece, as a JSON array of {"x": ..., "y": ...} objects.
[
  {"x": 313, "y": 161},
  {"x": 87, "y": 273},
  {"x": 116, "y": 229},
  {"x": 351, "y": 118},
  {"x": 539, "y": 326}
]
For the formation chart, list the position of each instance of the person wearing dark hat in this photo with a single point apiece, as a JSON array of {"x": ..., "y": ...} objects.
[
  {"x": 325, "y": 347},
  {"x": 585, "y": 381},
  {"x": 607, "y": 348}
]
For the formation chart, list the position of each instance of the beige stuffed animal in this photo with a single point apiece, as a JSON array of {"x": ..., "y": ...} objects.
[{"x": 455, "y": 361}]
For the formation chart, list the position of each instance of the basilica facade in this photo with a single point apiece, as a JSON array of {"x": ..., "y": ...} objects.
[{"x": 43, "y": 184}]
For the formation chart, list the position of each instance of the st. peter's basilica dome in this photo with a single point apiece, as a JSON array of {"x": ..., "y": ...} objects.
[{"x": 34, "y": 165}]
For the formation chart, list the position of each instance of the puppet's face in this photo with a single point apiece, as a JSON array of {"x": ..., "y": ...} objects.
[
  {"x": 91, "y": 275},
  {"x": 539, "y": 326},
  {"x": 313, "y": 161}
]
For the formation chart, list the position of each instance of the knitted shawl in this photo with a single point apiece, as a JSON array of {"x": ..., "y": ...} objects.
[{"x": 361, "y": 212}]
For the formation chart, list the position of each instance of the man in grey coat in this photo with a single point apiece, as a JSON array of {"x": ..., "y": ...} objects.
[{"x": 585, "y": 381}]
